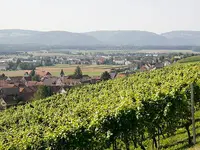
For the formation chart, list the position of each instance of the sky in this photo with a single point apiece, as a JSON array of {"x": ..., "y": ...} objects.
[{"x": 90, "y": 15}]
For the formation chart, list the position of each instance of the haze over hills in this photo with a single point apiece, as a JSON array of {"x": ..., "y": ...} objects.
[
  {"x": 115, "y": 38},
  {"x": 45, "y": 38},
  {"x": 133, "y": 37},
  {"x": 183, "y": 37}
]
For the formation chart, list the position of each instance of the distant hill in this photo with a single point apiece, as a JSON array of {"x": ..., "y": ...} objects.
[
  {"x": 45, "y": 38},
  {"x": 138, "y": 38},
  {"x": 100, "y": 38},
  {"x": 183, "y": 37}
]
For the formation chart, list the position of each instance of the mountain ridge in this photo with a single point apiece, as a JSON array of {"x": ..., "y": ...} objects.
[{"x": 101, "y": 37}]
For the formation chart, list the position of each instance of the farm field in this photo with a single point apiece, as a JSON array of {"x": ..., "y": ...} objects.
[
  {"x": 133, "y": 51},
  {"x": 165, "y": 51},
  {"x": 91, "y": 70}
]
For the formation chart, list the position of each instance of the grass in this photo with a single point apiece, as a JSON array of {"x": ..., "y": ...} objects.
[
  {"x": 190, "y": 59},
  {"x": 91, "y": 70},
  {"x": 165, "y": 51},
  {"x": 179, "y": 141}
]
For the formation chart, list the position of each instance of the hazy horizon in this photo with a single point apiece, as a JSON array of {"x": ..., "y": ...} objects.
[{"x": 157, "y": 16}]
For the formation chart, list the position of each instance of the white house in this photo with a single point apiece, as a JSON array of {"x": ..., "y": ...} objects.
[{"x": 3, "y": 67}]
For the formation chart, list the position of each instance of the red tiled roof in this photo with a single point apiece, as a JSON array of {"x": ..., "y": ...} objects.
[
  {"x": 120, "y": 75},
  {"x": 41, "y": 73},
  {"x": 39, "y": 83},
  {"x": 96, "y": 77},
  {"x": 3, "y": 83},
  {"x": 21, "y": 89},
  {"x": 33, "y": 83},
  {"x": 27, "y": 89}
]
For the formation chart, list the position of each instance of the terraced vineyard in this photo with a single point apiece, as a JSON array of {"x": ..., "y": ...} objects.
[{"x": 124, "y": 113}]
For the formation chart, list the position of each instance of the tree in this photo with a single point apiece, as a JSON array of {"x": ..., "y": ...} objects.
[
  {"x": 105, "y": 76},
  {"x": 3, "y": 75},
  {"x": 77, "y": 73},
  {"x": 18, "y": 61},
  {"x": 12, "y": 66},
  {"x": 62, "y": 73},
  {"x": 35, "y": 78},
  {"x": 162, "y": 58},
  {"x": 32, "y": 73},
  {"x": 43, "y": 92}
]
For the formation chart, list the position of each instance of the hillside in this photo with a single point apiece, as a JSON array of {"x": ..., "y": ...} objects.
[
  {"x": 118, "y": 114},
  {"x": 190, "y": 59}
]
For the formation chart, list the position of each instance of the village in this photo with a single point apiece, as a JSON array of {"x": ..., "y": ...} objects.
[{"x": 18, "y": 90}]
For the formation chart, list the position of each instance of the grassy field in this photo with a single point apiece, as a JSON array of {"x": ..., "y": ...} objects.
[
  {"x": 179, "y": 141},
  {"x": 165, "y": 51},
  {"x": 190, "y": 59},
  {"x": 91, "y": 70},
  {"x": 62, "y": 51}
]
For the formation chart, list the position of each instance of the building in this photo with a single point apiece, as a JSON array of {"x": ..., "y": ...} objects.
[{"x": 3, "y": 67}]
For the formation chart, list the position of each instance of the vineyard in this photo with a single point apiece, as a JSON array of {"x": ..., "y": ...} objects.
[
  {"x": 137, "y": 112},
  {"x": 190, "y": 59}
]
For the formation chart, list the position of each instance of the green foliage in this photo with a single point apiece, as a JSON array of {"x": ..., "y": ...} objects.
[
  {"x": 35, "y": 78},
  {"x": 78, "y": 73},
  {"x": 18, "y": 61},
  {"x": 12, "y": 66},
  {"x": 43, "y": 92},
  {"x": 120, "y": 113},
  {"x": 32, "y": 72},
  {"x": 105, "y": 76},
  {"x": 190, "y": 59},
  {"x": 26, "y": 66},
  {"x": 3, "y": 75}
]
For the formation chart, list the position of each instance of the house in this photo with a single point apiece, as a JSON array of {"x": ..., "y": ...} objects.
[
  {"x": 128, "y": 63},
  {"x": 41, "y": 73},
  {"x": 143, "y": 68},
  {"x": 9, "y": 96},
  {"x": 62, "y": 91},
  {"x": 25, "y": 79},
  {"x": 3, "y": 104},
  {"x": 146, "y": 67},
  {"x": 101, "y": 60},
  {"x": 85, "y": 78},
  {"x": 3, "y": 77},
  {"x": 3, "y": 83},
  {"x": 7, "y": 90},
  {"x": 167, "y": 63},
  {"x": 26, "y": 94},
  {"x": 50, "y": 81},
  {"x": 94, "y": 62},
  {"x": 3, "y": 66},
  {"x": 8, "y": 101},
  {"x": 158, "y": 66},
  {"x": 26, "y": 74},
  {"x": 119, "y": 61},
  {"x": 33, "y": 83},
  {"x": 17, "y": 79},
  {"x": 121, "y": 75},
  {"x": 65, "y": 81},
  {"x": 113, "y": 75},
  {"x": 95, "y": 79}
]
